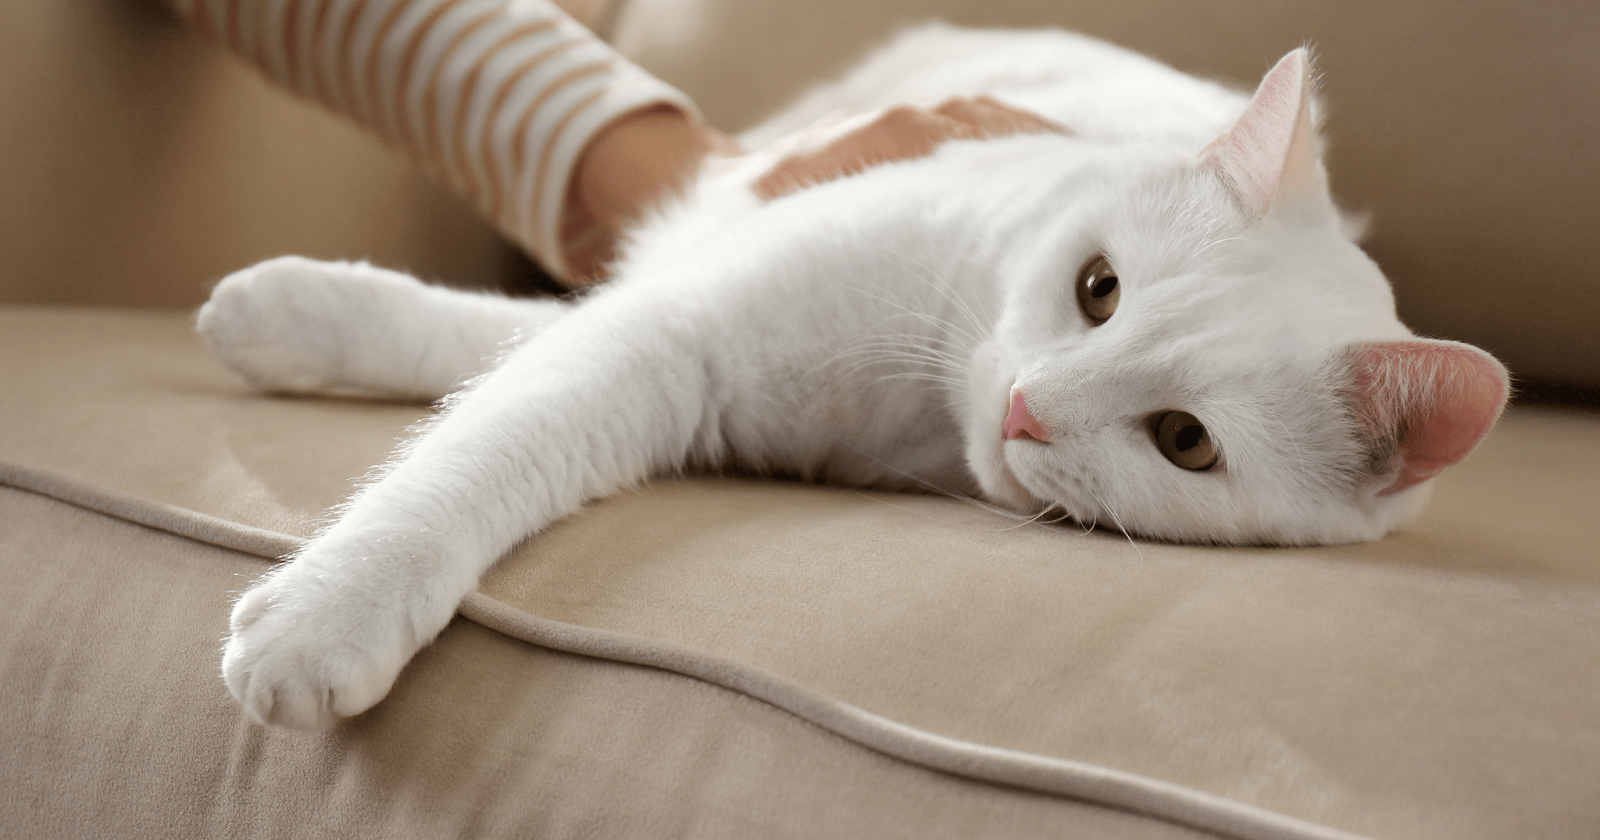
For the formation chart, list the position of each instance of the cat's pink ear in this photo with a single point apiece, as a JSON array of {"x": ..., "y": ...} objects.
[
  {"x": 1269, "y": 157},
  {"x": 1426, "y": 403}
]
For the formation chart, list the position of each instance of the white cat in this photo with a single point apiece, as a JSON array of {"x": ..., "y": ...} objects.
[{"x": 1152, "y": 323}]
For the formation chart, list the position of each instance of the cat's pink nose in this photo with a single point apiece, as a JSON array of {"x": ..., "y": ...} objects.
[{"x": 1020, "y": 423}]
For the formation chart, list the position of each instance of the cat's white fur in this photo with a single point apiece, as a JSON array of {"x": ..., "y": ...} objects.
[{"x": 872, "y": 331}]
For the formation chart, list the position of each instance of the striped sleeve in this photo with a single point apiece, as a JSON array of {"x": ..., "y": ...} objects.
[{"x": 497, "y": 98}]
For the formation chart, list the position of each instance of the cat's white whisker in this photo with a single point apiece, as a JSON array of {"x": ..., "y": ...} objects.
[
  {"x": 930, "y": 377},
  {"x": 943, "y": 287},
  {"x": 1038, "y": 518},
  {"x": 1023, "y": 521},
  {"x": 951, "y": 330},
  {"x": 896, "y": 358},
  {"x": 929, "y": 363},
  {"x": 1117, "y": 520},
  {"x": 1019, "y": 518}
]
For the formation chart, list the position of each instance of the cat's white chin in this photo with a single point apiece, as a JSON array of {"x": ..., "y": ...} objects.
[
  {"x": 999, "y": 483},
  {"x": 984, "y": 433}
]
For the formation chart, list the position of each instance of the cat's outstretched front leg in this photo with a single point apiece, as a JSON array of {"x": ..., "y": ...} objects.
[
  {"x": 296, "y": 325},
  {"x": 601, "y": 399}
]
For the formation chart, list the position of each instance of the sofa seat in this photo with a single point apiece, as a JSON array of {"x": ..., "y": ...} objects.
[{"x": 723, "y": 656}]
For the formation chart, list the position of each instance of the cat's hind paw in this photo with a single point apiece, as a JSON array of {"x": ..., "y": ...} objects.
[
  {"x": 292, "y": 324},
  {"x": 298, "y": 658}
]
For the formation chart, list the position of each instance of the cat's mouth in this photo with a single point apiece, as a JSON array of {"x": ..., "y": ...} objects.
[
  {"x": 1008, "y": 488},
  {"x": 1011, "y": 491}
]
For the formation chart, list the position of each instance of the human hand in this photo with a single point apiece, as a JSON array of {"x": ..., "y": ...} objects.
[
  {"x": 640, "y": 158},
  {"x": 902, "y": 132},
  {"x": 627, "y": 168}
]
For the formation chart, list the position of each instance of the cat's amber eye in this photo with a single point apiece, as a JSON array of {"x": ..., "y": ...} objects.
[
  {"x": 1185, "y": 441},
  {"x": 1098, "y": 290}
]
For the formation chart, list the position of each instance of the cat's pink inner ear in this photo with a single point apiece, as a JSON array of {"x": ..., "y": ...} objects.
[
  {"x": 1271, "y": 151},
  {"x": 1435, "y": 399}
]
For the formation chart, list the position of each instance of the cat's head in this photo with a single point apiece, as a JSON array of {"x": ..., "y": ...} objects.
[{"x": 1201, "y": 355}]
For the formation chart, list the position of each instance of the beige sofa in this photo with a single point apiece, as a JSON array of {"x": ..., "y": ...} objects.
[{"x": 726, "y": 657}]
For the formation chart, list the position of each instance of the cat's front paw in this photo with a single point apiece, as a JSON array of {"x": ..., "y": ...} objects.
[{"x": 303, "y": 655}]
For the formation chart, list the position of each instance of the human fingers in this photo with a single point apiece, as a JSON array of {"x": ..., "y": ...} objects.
[
  {"x": 901, "y": 132},
  {"x": 989, "y": 117}
]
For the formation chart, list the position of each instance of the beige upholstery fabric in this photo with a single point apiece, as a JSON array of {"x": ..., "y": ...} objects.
[
  {"x": 731, "y": 658},
  {"x": 132, "y": 401},
  {"x": 139, "y": 164},
  {"x": 1467, "y": 129},
  {"x": 1436, "y": 684},
  {"x": 115, "y": 725}
]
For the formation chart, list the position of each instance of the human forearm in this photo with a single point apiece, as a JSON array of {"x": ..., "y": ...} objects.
[{"x": 498, "y": 99}]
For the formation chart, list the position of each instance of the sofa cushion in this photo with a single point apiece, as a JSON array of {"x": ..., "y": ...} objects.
[
  {"x": 114, "y": 725},
  {"x": 1436, "y": 683}
]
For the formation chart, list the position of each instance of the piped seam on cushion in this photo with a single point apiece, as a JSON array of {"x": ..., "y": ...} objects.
[{"x": 1090, "y": 783}]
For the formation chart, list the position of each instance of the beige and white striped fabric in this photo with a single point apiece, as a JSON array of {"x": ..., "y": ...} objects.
[{"x": 497, "y": 98}]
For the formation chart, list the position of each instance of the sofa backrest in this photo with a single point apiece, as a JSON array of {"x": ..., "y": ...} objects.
[{"x": 140, "y": 163}]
